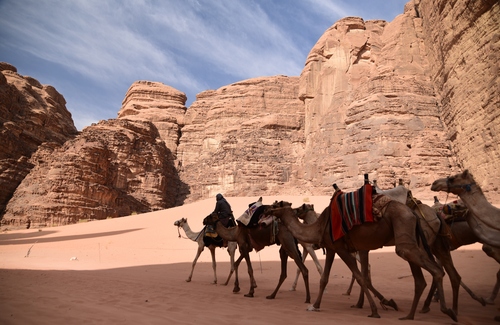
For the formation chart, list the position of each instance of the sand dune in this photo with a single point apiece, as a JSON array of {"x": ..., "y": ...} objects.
[{"x": 133, "y": 270}]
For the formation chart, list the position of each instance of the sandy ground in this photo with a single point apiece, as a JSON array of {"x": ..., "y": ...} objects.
[{"x": 132, "y": 270}]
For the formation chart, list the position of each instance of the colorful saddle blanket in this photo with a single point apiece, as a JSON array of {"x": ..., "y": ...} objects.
[{"x": 350, "y": 209}]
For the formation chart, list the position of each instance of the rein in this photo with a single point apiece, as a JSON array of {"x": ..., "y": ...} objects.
[{"x": 179, "y": 232}]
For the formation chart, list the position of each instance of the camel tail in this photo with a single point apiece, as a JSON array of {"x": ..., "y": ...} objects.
[{"x": 421, "y": 236}]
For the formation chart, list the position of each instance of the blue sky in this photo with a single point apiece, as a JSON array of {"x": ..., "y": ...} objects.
[{"x": 91, "y": 51}]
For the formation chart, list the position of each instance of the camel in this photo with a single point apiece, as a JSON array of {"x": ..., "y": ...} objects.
[
  {"x": 397, "y": 227},
  {"x": 484, "y": 218},
  {"x": 198, "y": 237},
  {"x": 438, "y": 239},
  {"x": 308, "y": 215},
  {"x": 249, "y": 238}
]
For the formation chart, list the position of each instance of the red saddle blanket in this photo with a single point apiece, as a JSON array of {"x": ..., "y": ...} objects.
[{"x": 350, "y": 209}]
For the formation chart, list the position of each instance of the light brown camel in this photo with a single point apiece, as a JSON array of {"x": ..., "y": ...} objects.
[
  {"x": 397, "y": 227},
  {"x": 308, "y": 215},
  {"x": 198, "y": 237},
  {"x": 484, "y": 219},
  {"x": 249, "y": 238},
  {"x": 461, "y": 234}
]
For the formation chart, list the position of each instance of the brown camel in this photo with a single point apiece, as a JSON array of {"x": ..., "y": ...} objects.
[
  {"x": 308, "y": 215},
  {"x": 397, "y": 227},
  {"x": 437, "y": 237},
  {"x": 257, "y": 237},
  {"x": 484, "y": 218},
  {"x": 198, "y": 237}
]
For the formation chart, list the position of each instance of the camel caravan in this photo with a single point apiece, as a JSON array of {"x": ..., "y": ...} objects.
[{"x": 355, "y": 223}]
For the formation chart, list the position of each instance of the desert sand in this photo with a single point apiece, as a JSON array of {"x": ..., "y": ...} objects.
[{"x": 132, "y": 270}]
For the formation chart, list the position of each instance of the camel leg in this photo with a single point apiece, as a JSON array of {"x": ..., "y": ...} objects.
[
  {"x": 365, "y": 271},
  {"x": 198, "y": 253},
  {"x": 419, "y": 284},
  {"x": 214, "y": 263},
  {"x": 351, "y": 262},
  {"x": 417, "y": 260},
  {"x": 442, "y": 252},
  {"x": 236, "y": 278},
  {"x": 426, "y": 308},
  {"x": 231, "y": 249},
  {"x": 244, "y": 253},
  {"x": 295, "y": 254},
  {"x": 495, "y": 254},
  {"x": 491, "y": 299},
  {"x": 253, "y": 284},
  {"x": 284, "y": 260},
  {"x": 348, "y": 292},
  {"x": 294, "y": 284},
  {"x": 330, "y": 256}
]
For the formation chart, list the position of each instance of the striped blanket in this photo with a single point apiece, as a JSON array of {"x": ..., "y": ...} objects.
[{"x": 350, "y": 209}]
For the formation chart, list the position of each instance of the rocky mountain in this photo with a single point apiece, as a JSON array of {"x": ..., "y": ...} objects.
[
  {"x": 30, "y": 114},
  {"x": 397, "y": 100}
]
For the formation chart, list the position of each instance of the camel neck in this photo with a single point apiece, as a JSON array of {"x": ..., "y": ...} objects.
[{"x": 189, "y": 233}]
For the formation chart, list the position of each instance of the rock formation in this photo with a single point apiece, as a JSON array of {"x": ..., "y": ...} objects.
[
  {"x": 157, "y": 103},
  {"x": 244, "y": 139},
  {"x": 113, "y": 168},
  {"x": 465, "y": 67},
  {"x": 30, "y": 114},
  {"x": 397, "y": 100}
]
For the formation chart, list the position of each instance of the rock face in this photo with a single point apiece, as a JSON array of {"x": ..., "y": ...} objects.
[
  {"x": 157, "y": 103},
  {"x": 30, "y": 114},
  {"x": 406, "y": 100},
  {"x": 114, "y": 168},
  {"x": 244, "y": 139},
  {"x": 371, "y": 108},
  {"x": 464, "y": 60}
]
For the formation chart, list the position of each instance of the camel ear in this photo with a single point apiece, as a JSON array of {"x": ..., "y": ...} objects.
[{"x": 465, "y": 173}]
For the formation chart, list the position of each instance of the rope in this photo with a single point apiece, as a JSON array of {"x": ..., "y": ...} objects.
[{"x": 179, "y": 232}]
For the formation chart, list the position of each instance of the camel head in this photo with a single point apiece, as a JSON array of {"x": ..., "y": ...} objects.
[
  {"x": 303, "y": 209},
  {"x": 211, "y": 219},
  {"x": 457, "y": 184},
  {"x": 180, "y": 222},
  {"x": 276, "y": 207}
]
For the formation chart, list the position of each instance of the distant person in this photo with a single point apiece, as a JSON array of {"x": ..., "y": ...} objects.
[{"x": 223, "y": 210}]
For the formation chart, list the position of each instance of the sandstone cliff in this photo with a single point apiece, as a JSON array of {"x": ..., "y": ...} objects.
[
  {"x": 30, "y": 114},
  {"x": 244, "y": 139},
  {"x": 464, "y": 61},
  {"x": 114, "y": 168},
  {"x": 402, "y": 99},
  {"x": 371, "y": 107}
]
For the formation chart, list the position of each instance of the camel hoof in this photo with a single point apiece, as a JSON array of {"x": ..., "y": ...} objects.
[
  {"x": 188, "y": 280},
  {"x": 236, "y": 290},
  {"x": 357, "y": 306},
  {"x": 489, "y": 301},
  {"x": 312, "y": 308},
  {"x": 391, "y": 303},
  {"x": 249, "y": 295},
  {"x": 346, "y": 294},
  {"x": 292, "y": 289},
  {"x": 425, "y": 310},
  {"x": 374, "y": 316},
  {"x": 214, "y": 282},
  {"x": 497, "y": 318},
  {"x": 452, "y": 314},
  {"x": 482, "y": 301},
  {"x": 406, "y": 318},
  {"x": 269, "y": 297}
]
